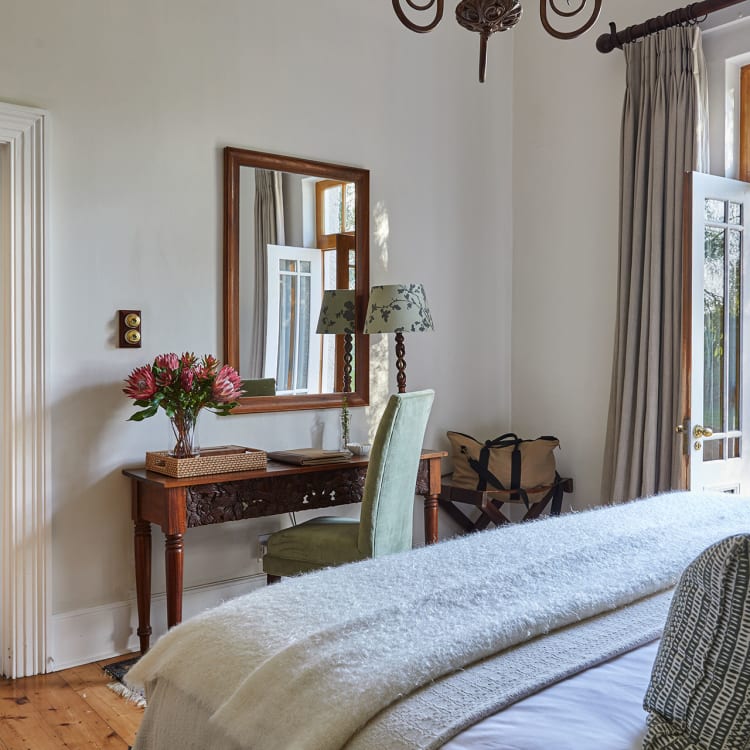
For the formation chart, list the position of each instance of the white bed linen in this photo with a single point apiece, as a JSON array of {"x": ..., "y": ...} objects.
[{"x": 598, "y": 709}]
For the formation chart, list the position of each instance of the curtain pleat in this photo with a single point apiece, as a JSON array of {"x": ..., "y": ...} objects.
[
  {"x": 269, "y": 230},
  {"x": 664, "y": 135}
]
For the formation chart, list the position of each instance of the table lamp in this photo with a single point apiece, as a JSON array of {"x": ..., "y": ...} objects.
[
  {"x": 396, "y": 308},
  {"x": 337, "y": 316}
]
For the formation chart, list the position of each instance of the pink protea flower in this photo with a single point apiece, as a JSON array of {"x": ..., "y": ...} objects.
[
  {"x": 227, "y": 386},
  {"x": 188, "y": 359},
  {"x": 210, "y": 363},
  {"x": 140, "y": 384},
  {"x": 164, "y": 378},
  {"x": 167, "y": 361},
  {"x": 187, "y": 377}
]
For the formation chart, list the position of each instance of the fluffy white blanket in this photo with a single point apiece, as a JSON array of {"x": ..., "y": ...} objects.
[{"x": 306, "y": 663}]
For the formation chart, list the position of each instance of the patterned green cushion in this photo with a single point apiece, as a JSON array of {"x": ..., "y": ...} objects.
[{"x": 699, "y": 695}]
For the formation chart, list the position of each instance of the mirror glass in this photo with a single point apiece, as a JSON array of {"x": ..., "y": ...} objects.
[{"x": 293, "y": 228}]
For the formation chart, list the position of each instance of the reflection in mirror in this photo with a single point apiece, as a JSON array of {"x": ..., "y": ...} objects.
[{"x": 293, "y": 228}]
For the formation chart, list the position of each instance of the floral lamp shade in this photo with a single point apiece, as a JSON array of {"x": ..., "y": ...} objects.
[
  {"x": 398, "y": 308},
  {"x": 337, "y": 312},
  {"x": 337, "y": 316}
]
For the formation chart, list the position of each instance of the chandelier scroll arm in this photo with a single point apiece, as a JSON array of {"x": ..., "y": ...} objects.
[
  {"x": 437, "y": 4},
  {"x": 552, "y": 31}
]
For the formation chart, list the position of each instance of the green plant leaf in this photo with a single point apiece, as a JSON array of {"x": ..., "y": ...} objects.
[{"x": 139, "y": 416}]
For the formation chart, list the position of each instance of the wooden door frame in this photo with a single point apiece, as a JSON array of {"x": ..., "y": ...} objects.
[{"x": 24, "y": 469}]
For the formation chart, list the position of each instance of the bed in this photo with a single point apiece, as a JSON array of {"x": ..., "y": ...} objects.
[{"x": 530, "y": 636}]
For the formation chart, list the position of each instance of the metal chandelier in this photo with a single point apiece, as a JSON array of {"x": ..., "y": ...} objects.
[{"x": 488, "y": 16}]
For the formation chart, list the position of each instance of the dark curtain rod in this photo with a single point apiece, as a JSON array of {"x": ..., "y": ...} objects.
[{"x": 690, "y": 14}]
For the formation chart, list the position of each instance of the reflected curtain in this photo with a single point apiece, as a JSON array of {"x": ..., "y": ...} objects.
[
  {"x": 269, "y": 230},
  {"x": 664, "y": 135}
]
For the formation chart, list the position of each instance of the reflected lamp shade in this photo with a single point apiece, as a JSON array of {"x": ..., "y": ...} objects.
[
  {"x": 337, "y": 312},
  {"x": 337, "y": 316},
  {"x": 398, "y": 308}
]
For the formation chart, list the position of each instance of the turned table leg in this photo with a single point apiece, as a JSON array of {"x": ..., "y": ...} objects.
[
  {"x": 173, "y": 555},
  {"x": 142, "y": 543},
  {"x": 434, "y": 486},
  {"x": 430, "y": 519}
]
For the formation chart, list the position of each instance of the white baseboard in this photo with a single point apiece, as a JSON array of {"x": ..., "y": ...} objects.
[{"x": 87, "y": 635}]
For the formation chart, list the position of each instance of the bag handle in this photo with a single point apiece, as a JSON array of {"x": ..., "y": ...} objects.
[{"x": 505, "y": 440}]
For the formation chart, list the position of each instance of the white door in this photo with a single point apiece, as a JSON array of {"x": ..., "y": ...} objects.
[
  {"x": 295, "y": 283},
  {"x": 717, "y": 431}
]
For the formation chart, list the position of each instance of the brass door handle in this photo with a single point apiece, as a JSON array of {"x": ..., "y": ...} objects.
[{"x": 705, "y": 432}]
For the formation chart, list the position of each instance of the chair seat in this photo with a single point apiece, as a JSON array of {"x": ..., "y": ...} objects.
[{"x": 318, "y": 543}]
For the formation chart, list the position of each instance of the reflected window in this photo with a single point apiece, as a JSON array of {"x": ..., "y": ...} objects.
[
  {"x": 335, "y": 207},
  {"x": 335, "y": 210}
]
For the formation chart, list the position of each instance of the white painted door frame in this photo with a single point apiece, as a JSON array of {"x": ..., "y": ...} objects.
[{"x": 24, "y": 503}]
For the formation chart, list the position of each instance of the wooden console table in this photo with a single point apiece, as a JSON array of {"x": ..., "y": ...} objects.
[{"x": 178, "y": 504}]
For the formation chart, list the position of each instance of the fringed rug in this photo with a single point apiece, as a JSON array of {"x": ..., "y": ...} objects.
[{"x": 117, "y": 671}]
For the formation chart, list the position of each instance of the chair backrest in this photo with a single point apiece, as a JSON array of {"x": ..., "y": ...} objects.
[{"x": 386, "y": 518}]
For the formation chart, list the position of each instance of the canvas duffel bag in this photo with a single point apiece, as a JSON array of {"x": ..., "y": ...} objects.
[{"x": 505, "y": 463}]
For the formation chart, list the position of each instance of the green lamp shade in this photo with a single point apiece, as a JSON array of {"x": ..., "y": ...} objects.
[
  {"x": 337, "y": 312},
  {"x": 396, "y": 308}
]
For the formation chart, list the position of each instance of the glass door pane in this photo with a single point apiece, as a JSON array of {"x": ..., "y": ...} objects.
[{"x": 722, "y": 334}]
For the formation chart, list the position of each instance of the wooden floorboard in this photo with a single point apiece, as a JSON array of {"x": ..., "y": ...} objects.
[{"x": 72, "y": 709}]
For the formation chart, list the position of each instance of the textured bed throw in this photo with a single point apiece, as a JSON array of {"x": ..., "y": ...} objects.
[{"x": 306, "y": 663}]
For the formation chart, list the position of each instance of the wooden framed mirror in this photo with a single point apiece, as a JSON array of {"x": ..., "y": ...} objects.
[{"x": 293, "y": 228}]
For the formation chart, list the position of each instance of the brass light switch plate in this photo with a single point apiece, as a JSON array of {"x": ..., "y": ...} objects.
[{"x": 130, "y": 329}]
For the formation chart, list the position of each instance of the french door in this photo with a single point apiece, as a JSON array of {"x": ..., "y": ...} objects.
[
  {"x": 716, "y": 432},
  {"x": 293, "y": 354}
]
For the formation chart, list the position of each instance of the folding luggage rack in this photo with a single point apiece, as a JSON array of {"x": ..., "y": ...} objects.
[{"x": 490, "y": 502}]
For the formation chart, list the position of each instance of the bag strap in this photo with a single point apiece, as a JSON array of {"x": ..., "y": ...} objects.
[
  {"x": 515, "y": 477},
  {"x": 484, "y": 475},
  {"x": 505, "y": 440}
]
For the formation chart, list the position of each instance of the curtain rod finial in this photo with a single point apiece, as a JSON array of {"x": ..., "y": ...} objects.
[{"x": 607, "y": 42}]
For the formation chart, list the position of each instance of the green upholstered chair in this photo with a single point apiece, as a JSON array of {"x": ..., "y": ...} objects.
[
  {"x": 259, "y": 387},
  {"x": 385, "y": 523}
]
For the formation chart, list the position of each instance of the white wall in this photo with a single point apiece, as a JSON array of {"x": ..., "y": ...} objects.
[
  {"x": 727, "y": 50},
  {"x": 566, "y": 111},
  {"x": 143, "y": 96}
]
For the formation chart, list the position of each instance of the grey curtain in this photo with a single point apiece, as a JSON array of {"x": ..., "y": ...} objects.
[
  {"x": 269, "y": 230},
  {"x": 664, "y": 135}
]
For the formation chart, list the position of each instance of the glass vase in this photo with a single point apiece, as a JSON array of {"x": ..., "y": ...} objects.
[{"x": 184, "y": 434}]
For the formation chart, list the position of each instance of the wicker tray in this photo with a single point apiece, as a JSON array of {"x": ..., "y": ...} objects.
[{"x": 217, "y": 460}]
